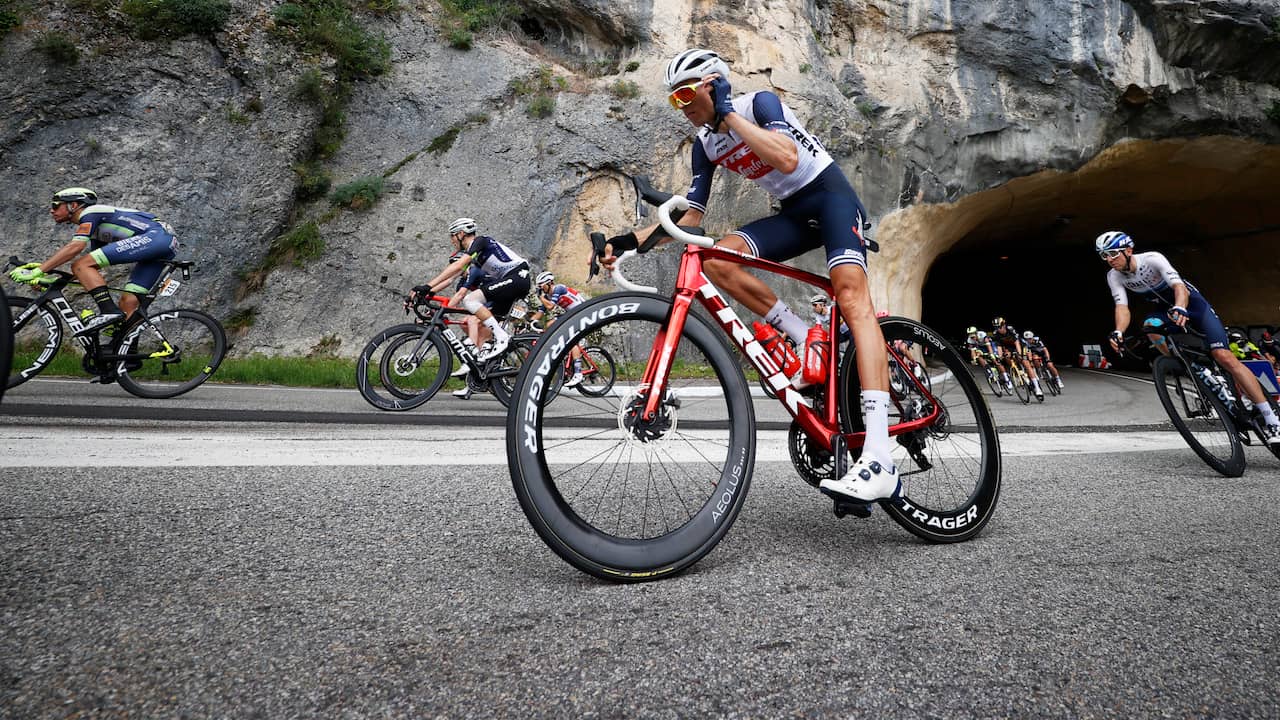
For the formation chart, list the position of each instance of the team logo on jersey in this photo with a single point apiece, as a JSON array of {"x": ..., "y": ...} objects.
[{"x": 743, "y": 160}]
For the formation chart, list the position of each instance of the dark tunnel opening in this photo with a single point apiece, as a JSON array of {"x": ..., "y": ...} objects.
[{"x": 1027, "y": 253}]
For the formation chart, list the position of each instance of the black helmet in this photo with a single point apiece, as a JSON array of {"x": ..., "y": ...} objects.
[{"x": 84, "y": 196}]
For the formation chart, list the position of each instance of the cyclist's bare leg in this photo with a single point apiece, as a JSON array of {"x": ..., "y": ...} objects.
[
  {"x": 128, "y": 304},
  {"x": 85, "y": 268},
  {"x": 853, "y": 294},
  {"x": 1245, "y": 379},
  {"x": 740, "y": 284}
]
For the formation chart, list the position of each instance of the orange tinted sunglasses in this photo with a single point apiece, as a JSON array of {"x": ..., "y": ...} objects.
[{"x": 683, "y": 95}]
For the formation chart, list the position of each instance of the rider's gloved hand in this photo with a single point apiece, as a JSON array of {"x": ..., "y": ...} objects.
[
  {"x": 29, "y": 274},
  {"x": 1117, "y": 337},
  {"x": 1178, "y": 315},
  {"x": 721, "y": 98},
  {"x": 423, "y": 290},
  {"x": 622, "y": 243}
]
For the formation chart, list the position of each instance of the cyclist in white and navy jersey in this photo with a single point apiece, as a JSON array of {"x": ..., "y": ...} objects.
[
  {"x": 113, "y": 236},
  {"x": 1151, "y": 275},
  {"x": 502, "y": 278},
  {"x": 1039, "y": 353},
  {"x": 760, "y": 138}
]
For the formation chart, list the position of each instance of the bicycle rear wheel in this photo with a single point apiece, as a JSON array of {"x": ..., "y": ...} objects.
[
  {"x": 402, "y": 367},
  {"x": 615, "y": 495},
  {"x": 950, "y": 470},
  {"x": 1199, "y": 417},
  {"x": 6, "y": 340},
  {"x": 1047, "y": 381},
  {"x": 36, "y": 340},
  {"x": 599, "y": 372},
  {"x": 503, "y": 372},
  {"x": 179, "y": 350}
]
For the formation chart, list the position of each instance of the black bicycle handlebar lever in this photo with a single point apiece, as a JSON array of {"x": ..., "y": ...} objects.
[{"x": 645, "y": 191}]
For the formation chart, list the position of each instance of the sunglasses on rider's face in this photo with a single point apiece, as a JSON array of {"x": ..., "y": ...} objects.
[
  {"x": 1108, "y": 254},
  {"x": 683, "y": 95},
  {"x": 56, "y": 204}
]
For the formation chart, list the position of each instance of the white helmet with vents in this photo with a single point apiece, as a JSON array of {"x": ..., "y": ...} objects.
[
  {"x": 695, "y": 64},
  {"x": 463, "y": 225}
]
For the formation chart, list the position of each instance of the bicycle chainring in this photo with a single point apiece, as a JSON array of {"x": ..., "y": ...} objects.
[{"x": 813, "y": 462}]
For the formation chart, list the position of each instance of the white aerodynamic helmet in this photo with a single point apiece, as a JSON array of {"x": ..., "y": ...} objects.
[
  {"x": 544, "y": 278},
  {"x": 463, "y": 225},
  {"x": 694, "y": 64}
]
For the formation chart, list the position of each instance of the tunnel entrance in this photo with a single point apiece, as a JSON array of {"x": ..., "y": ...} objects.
[{"x": 1024, "y": 250}]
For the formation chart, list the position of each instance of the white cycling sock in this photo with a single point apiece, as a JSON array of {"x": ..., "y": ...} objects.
[
  {"x": 496, "y": 329},
  {"x": 1268, "y": 415},
  {"x": 875, "y": 409},
  {"x": 781, "y": 317}
]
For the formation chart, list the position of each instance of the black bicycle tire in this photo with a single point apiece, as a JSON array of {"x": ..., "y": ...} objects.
[
  {"x": 1232, "y": 466},
  {"x": 947, "y": 525},
  {"x": 1047, "y": 381},
  {"x": 593, "y": 391},
  {"x": 1020, "y": 385},
  {"x": 441, "y": 348},
  {"x": 368, "y": 389},
  {"x": 585, "y": 547},
  {"x": 54, "y": 330},
  {"x": 503, "y": 387},
  {"x": 994, "y": 384},
  {"x": 141, "y": 389},
  {"x": 6, "y": 341}
]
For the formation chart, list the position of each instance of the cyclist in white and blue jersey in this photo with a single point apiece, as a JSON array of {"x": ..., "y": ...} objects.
[
  {"x": 113, "y": 236},
  {"x": 1151, "y": 275},
  {"x": 760, "y": 138}
]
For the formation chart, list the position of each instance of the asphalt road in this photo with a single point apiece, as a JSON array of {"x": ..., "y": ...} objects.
[{"x": 302, "y": 563}]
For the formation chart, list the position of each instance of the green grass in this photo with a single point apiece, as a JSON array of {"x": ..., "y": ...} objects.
[
  {"x": 327, "y": 26},
  {"x": 170, "y": 19},
  {"x": 59, "y": 48},
  {"x": 359, "y": 194}
]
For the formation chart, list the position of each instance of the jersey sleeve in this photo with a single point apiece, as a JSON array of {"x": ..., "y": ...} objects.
[
  {"x": 1118, "y": 292},
  {"x": 703, "y": 169},
  {"x": 767, "y": 109},
  {"x": 1164, "y": 267}
]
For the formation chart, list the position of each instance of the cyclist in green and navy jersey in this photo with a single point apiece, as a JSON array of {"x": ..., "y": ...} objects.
[
  {"x": 758, "y": 137},
  {"x": 113, "y": 236}
]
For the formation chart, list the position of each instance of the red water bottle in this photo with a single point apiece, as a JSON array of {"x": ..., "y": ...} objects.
[
  {"x": 815, "y": 355},
  {"x": 777, "y": 348}
]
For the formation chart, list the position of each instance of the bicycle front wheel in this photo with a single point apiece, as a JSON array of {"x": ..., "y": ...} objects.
[
  {"x": 171, "y": 353},
  {"x": 993, "y": 381},
  {"x": 615, "y": 494},
  {"x": 1021, "y": 385},
  {"x": 402, "y": 367},
  {"x": 1199, "y": 417},
  {"x": 951, "y": 469},
  {"x": 1048, "y": 382},
  {"x": 36, "y": 338}
]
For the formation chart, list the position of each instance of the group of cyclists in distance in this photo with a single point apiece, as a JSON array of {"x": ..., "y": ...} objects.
[
  {"x": 759, "y": 137},
  {"x": 997, "y": 351}
]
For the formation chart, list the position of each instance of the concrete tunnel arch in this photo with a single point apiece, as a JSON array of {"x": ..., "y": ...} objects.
[{"x": 1024, "y": 250}]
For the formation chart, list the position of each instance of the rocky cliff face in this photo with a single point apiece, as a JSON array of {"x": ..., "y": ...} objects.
[{"x": 924, "y": 103}]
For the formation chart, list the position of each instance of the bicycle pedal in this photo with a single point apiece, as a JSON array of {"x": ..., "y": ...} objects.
[{"x": 842, "y": 508}]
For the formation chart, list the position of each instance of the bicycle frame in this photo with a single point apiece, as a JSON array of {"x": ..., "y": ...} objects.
[{"x": 692, "y": 283}]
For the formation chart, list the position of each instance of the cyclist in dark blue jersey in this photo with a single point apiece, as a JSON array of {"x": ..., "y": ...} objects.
[
  {"x": 760, "y": 138},
  {"x": 114, "y": 236},
  {"x": 499, "y": 277},
  {"x": 1151, "y": 275}
]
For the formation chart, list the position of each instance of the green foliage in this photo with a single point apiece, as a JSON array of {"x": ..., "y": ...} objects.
[
  {"x": 477, "y": 15},
  {"x": 460, "y": 39},
  {"x": 359, "y": 194},
  {"x": 624, "y": 89},
  {"x": 633, "y": 66},
  {"x": 259, "y": 369},
  {"x": 241, "y": 320},
  {"x": 236, "y": 116},
  {"x": 381, "y": 7},
  {"x": 172, "y": 19},
  {"x": 313, "y": 180},
  {"x": 327, "y": 347},
  {"x": 329, "y": 133},
  {"x": 540, "y": 87},
  {"x": 541, "y": 106},
  {"x": 442, "y": 142},
  {"x": 805, "y": 67},
  {"x": 299, "y": 245},
  {"x": 1273, "y": 112},
  {"x": 59, "y": 48},
  {"x": 8, "y": 21},
  {"x": 311, "y": 86},
  {"x": 99, "y": 8},
  {"x": 327, "y": 26}
]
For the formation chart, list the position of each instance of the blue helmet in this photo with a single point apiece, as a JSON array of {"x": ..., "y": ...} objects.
[{"x": 1113, "y": 240}]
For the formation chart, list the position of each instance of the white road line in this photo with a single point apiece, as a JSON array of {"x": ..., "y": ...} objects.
[{"x": 382, "y": 446}]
